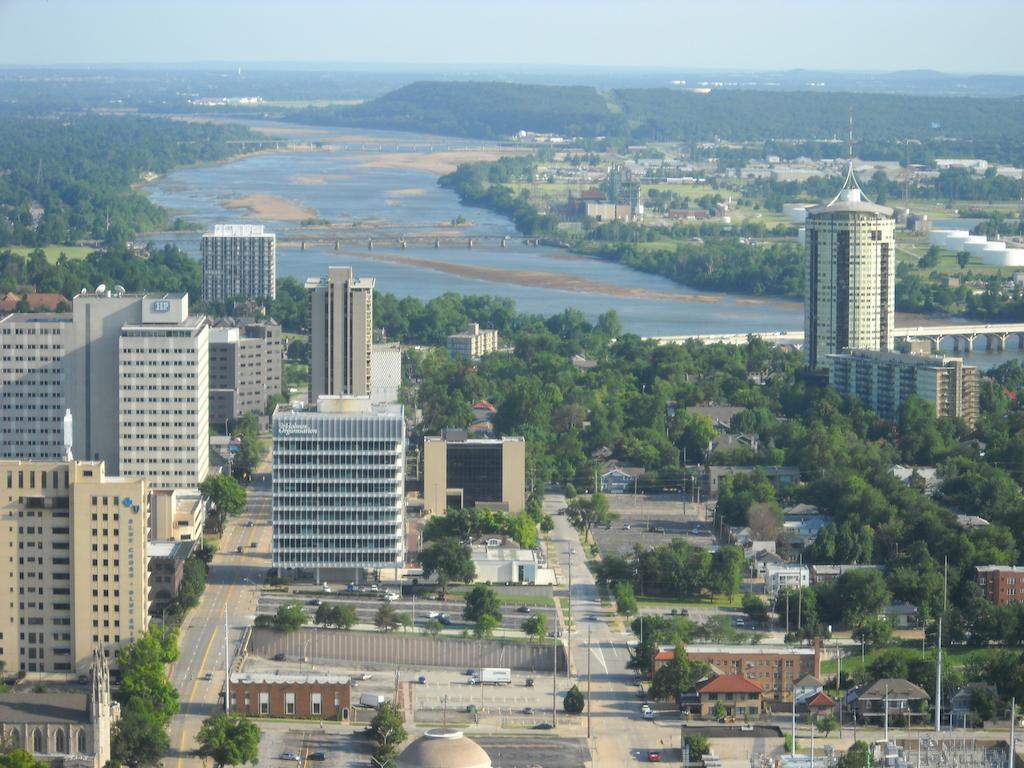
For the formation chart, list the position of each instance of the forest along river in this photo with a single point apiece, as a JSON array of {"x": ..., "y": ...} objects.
[{"x": 362, "y": 184}]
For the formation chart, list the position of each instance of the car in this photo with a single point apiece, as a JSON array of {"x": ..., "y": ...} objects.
[
  {"x": 389, "y": 596},
  {"x": 648, "y": 715},
  {"x": 278, "y": 657},
  {"x": 740, "y": 623},
  {"x": 543, "y": 727},
  {"x": 627, "y": 527},
  {"x": 252, "y": 545},
  {"x": 659, "y": 529},
  {"x": 572, "y": 551},
  {"x": 422, "y": 679},
  {"x": 443, "y": 618},
  {"x": 314, "y": 601},
  {"x": 473, "y": 681},
  {"x": 289, "y": 756},
  {"x": 433, "y": 614},
  {"x": 529, "y": 682},
  {"x": 208, "y": 676},
  {"x": 593, "y": 617},
  {"x": 363, "y": 676},
  {"x": 653, "y": 756},
  {"x": 471, "y": 708},
  {"x": 527, "y": 710},
  {"x": 248, "y": 523},
  {"x": 83, "y": 678},
  {"x": 469, "y": 672},
  {"x": 239, "y": 549},
  {"x": 524, "y": 609},
  {"x": 645, "y": 708},
  {"x": 318, "y": 756}
]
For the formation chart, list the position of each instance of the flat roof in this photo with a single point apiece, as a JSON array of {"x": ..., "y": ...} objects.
[
  {"x": 1000, "y": 568},
  {"x": 750, "y": 650},
  {"x": 60, "y": 707},
  {"x": 513, "y": 554},
  {"x": 294, "y": 678}
]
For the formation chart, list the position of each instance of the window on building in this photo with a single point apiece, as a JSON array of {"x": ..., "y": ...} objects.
[
  {"x": 289, "y": 703},
  {"x": 314, "y": 704},
  {"x": 264, "y": 703}
]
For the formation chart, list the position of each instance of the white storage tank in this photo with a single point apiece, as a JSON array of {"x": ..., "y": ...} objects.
[
  {"x": 975, "y": 243},
  {"x": 955, "y": 240},
  {"x": 1012, "y": 257},
  {"x": 938, "y": 236}
]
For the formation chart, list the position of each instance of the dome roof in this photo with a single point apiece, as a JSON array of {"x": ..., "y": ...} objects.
[{"x": 443, "y": 748}]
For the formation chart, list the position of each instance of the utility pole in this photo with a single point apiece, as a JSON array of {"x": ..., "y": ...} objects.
[
  {"x": 568, "y": 624},
  {"x": 792, "y": 740},
  {"x": 1013, "y": 732},
  {"x": 590, "y": 652},
  {"x": 227, "y": 665},
  {"x": 554, "y": 679},
  {"x": 938, "y": 681}
]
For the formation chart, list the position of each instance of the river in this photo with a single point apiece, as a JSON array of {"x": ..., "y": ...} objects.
[
  {"x": 377, "y": 184},
  {"x": 365, "y": 191}
]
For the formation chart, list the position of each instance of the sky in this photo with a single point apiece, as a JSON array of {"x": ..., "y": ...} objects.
[{"x": 848, "y": 35}]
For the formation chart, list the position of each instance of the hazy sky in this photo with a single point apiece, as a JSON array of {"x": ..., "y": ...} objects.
[{"x": 980, "y": 36}]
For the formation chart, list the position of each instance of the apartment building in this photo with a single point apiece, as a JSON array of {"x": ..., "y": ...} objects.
[
  {"x": 128, "y": 366},
  {"x": 245, "y": 368},
  {"x": 849, "y": 277},
  {"x": 776, "y": 668},
  {"x": 75, "y": 576},
  {"x": 472, "y": 343},
  {"x": 459, "y": 471},
  {"x": 1002, "y": 584},
  {"x": 386, "y": 381},
  {"x": 32, "y": 389},
  {"x": 338, "y": 486},
  {"x": 340, "y": 334},
  {"x": 176, "y": 514},
  {"x": 163, "y": 425},
  {"x": 239, "y": 261},
  {"x": 883, "y": 381}
]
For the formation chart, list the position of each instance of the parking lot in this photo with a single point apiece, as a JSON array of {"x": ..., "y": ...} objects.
[{"x": 653, "y": 520}]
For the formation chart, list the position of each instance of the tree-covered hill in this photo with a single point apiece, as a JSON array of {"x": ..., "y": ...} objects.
[{"x": 495, "y": 110}]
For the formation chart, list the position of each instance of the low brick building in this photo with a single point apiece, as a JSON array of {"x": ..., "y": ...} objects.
[
  {"x": 1002, "y": 584},
  {"x": 776, "y": 668},
  {"x": 739, "y": 697},
  {"x": 313, "y": 696}
]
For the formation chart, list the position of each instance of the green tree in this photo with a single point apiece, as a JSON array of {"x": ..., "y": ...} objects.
[
  {"x": 386, "y": 618},
  {"x": 857, "y": 756},
  {"x": 404, "y": 620},
  {"x": 984, "y": 705},
  {"x": 388, "y": 726},
  {"x": 19, "y": 758},
  {"x": 625, "y": 599},
  {"x": 138, "y": 739},
  {"x": 827, "y": 724},
  {"x": 482, "y": 601},
  {"x": 677, "y": 676},
  {"x": 450, "y": 559},
  {"x": 875, "y": 631},
  {"x": 726, "y": 570},
  {"x": 485, "y": 626},
  {"x": 144, "y": 681},
  {"x": 719, "y": 711},
  {"x": 226, "y": 497},
  {"x": 229, "y": 739},
  {"x": 755, "y": 608},
  {"x": 573, "y": 702},
  {"x": 434, "y": 627},
  {"x": 290, "y": 617},
  {"x": 698, "y": 746},
  {"x": 523, "y": 529},
  {"x": 344, "y": 617},
  {"x": 864, "y": 594},
  {"x": 584, "y": 514},
  {"x": 536, "y": 626}
]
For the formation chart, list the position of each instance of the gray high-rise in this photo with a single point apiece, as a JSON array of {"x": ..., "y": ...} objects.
[
  {"x": 340, "y": 334},
  {"x": 239, "y": 261}
]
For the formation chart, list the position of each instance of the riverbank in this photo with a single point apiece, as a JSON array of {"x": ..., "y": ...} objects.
[{"x": 262, "y": 206}]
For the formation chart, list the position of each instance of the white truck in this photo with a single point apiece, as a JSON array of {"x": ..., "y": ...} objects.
[
  {"x": 496, "y": 675},
  {"x": 372, "y": 700}
]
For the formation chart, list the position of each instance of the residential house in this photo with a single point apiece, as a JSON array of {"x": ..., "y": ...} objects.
[
  {"x": 901, "y": 615},
  {"x": 712, "y": 476},
  {"x": 925, "y": 478},
  {"x": 903, "y": 701},
  {"x": 802, "y": 530},
  {"x": 37, "y": 302},
  {"x": 720, "y": 415},
  {"x": 778, "y": 577},
  {"x": 826, "y": 574},
  {"x": 741, "y": 697},
  {"x": 616, "y": 478},
  {"x": 806, "y": 688},
  {"x": 820, "y": 705},
  {"x": 960, "y": 702}
]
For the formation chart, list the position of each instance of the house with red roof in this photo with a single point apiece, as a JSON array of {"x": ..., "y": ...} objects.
[
  {"x": 739, "y": 696},
  {"x": 37, "y": 302}
]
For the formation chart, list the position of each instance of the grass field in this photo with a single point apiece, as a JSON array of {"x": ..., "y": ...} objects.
[
  {"x": 52, "y": 251},
  {"x": 720, "y": 601},
  {"x": 954, "y": 657}
]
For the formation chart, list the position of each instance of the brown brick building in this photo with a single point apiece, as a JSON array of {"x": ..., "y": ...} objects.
[
  {"x": 315, "y": 696},
  {"x": 774, "y": 667},
  {"x": 1002, "y": 584}
]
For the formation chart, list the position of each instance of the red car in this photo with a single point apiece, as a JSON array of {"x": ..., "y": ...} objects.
[{"x": 653, "y": 756}]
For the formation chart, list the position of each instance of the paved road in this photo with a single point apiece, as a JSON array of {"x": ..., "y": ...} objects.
[
  {"x": 619, "y": 734},
  {"x": 230, "y": 583}
]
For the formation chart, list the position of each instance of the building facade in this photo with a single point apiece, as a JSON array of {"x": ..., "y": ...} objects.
[
  {"x": 738, "y": 696},
  {"x": 338, "y": 486},
  {"x": 462, "y": 472},
  {"x": 53, "y": 363},
  {"x": 63, "y": 729},
  {"x": 80, "y": 584},
  {"x": 776, "y": 668},
  {"x": 883, "y": 381},
  {"x": 314, "y": 696},
  {"x": 778, "y": 577},
  {"x": 850, "y": 274},
  {"x": 472, "y": 343},
  {"x": 245, "y": 369},
  {"x": 239, "y": 261},
  {"x": 176, "y": 514},
  {"x": 1002, "y": 584},
  {"x": 163, "y": 425},
  {"x": 386, "y": 381},
  {"x": 340, "y": 334}
]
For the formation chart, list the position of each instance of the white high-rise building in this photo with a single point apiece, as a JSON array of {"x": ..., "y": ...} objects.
[
  {"x": 849, "y": 280},
  {"x": 83, "y": 361},
  {"x": 164, "y": 379},
  {"x": 340, "y": 334},
  {"x": 339, "y": 486},
  {"x": 239, "y": 260}
]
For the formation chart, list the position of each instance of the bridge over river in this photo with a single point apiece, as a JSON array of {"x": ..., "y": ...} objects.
[{"x": 964, "y": 336}]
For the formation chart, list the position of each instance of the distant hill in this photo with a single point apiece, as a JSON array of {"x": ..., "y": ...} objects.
[{"x": 494, "y": 110}]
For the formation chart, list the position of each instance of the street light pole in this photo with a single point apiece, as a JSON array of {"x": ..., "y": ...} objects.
[
  {"x": 227, "y": 664},
  {"x": 568, "y": 645}
]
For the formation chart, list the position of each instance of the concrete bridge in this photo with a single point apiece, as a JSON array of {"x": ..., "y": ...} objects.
[
  {"x": 350, "y": 240},
  {"x": 964, "y": 336}
]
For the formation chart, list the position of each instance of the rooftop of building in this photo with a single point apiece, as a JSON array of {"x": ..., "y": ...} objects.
[
  {"x": 170, "y": 549},
  {"x": 194, "y": 322},
  {"x": 238, "y": 230},
  {"x": 742, "y": 650},
  {"x": 289, "y": 678},
  {"x": 911, "y": 359},
  {"x": 37, "y": 317},
  {"x": 729, "y": 684},
  {"x": 462, "y": 436},
  {"x": 333, "y": 405},
  {"x": 444, "y": 748},
  {"x": 62, "y": 707},
  {"x": 849, "y": 200},
  {"x": 36, "y": 301},
  {"x": 893, "y": 688},
  {"x": 821, "y": 700},
  {"x": 503, "y": 554},
  {"x": 1000, "y": 568},
  {"x": 808, "y": 681}
]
